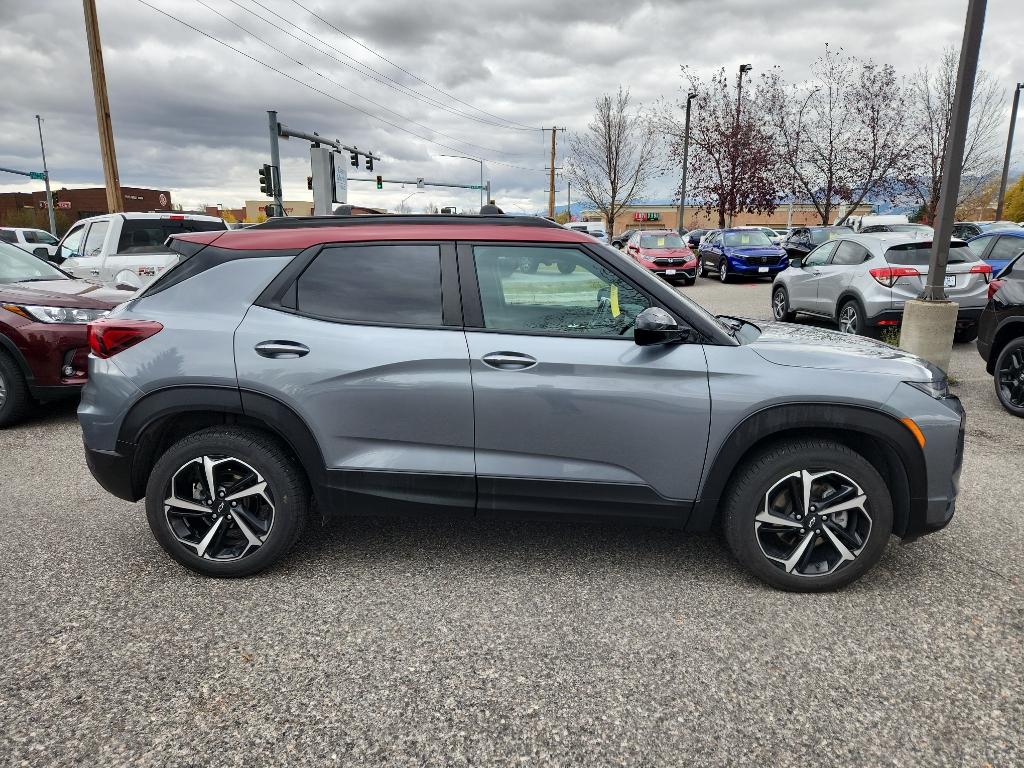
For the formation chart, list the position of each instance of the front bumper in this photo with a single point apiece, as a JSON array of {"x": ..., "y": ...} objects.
[
  {"x": 941, "y": 508},
  {"x": 748, "y": 268},
  {"x": 690, "y": 273}
]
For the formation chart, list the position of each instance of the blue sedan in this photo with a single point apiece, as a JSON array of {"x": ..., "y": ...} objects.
[
  {"x": 999, "y": 247},
  {"x": 733, "y": 252}
]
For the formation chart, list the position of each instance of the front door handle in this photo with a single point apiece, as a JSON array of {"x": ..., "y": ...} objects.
[
  {"x": 509, "y": 361},
  {"x": 94, "y": 271},
  {"x": 816, "y": 272},
  {"x": 281, "y": 350}
]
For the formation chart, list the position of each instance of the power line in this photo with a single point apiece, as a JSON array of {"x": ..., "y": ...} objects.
[
  {"x": 364, "y": 70},
  {"x": 343, "y": 87},
  {"x": 297, "y": 80},
  {"x": 511, "y": 123}
]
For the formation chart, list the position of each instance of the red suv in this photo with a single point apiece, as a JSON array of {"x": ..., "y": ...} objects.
[
  {"x": 43, "y": 316},
  {"x": 663, "y": 252}
]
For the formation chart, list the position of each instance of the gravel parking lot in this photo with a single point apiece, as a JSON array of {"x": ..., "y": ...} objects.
[{"x": 452, "y": 642}]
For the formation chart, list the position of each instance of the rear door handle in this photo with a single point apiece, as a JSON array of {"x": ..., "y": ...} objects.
[
  {"x": 509, "y": 361},
  {"x": 281, "y": 349}
]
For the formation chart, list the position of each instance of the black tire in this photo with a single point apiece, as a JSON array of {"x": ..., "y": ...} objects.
[
  {"x": 14, "y": 393},
  {"x": 566, "y": 268},
  {"x": 528, "y": 266},
  {"x": 765, "y": 470},
  {"x": 780, "y": 306},
  {"x": 1009, "y": 370},
  {"x": 723, "y": 271},
  {"x": 966, "y": 334},
  {"x": 701, "y": 272},
  {"x": 285, "y": 482}
]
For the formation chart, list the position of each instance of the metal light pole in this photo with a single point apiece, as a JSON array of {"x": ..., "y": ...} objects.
[
  {"x": 929, "y": 322},
  {"x": 1009, "y": 148},
  {"x": 744, "y": 68},
  {"x": 46, "y": 178},
  {"x": 401, "y": 205},
  {"x": 475, "y": 160},
  {"x": 686, "y": 157}
]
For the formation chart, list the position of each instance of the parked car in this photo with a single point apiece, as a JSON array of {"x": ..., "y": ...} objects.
[
  {"x": 1001, "y": 336},
  {"x": 861, "y": 223},
  {"x": 664, "y": 253},
  {"x": 43, "y": 316},
  {"x": 740, "y": 252},
  {"x": 998, "y": 248},
  {"x": 862, "y": 282},
  {"x": 620, "y": 240},
  {"x": 965, "y": 230},
  {"x": 30, "y": 239},
  {"x": 922, "y": 231},
  {"x": 427, "y": 380},
  {"x": 127, "y": 249},
  {"x": 803, "y": 240},
  {"x": 693, "y": 237}
]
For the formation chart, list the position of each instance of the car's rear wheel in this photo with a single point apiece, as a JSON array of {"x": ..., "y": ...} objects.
[
  {"x": 15, "y": 398},
  {"x": 1009, "y": 377},
  {"x": 852, "y": 320},
  {"x": 723, "y": 271},
  {"x": 807, "y": 515},
  {"x": 227, "y": 501},
  {"x": 780, "y": 306}
]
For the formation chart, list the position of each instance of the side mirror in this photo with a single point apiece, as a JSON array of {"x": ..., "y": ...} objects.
[
  {"x": 41, "y": 253},
  {"x": 656, "y": 326},
  {"x": 796, "y": 261}
]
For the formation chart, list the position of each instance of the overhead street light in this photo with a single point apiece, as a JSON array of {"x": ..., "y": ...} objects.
[{"x": 475, "y": 160}]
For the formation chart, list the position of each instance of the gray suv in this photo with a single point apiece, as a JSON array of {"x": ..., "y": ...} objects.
[
  {"x": 863, "y": 281},
  {"x": 379, "y": 364}
]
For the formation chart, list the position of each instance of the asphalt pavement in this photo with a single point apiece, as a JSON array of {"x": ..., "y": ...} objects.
[{"x": 454, "y": 642}]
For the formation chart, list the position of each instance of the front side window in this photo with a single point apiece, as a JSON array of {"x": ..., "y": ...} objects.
[
  {"x": 849, "y": 253},
  {"x": 567, "y": 292},
  {"x": 94, "y": 240},
  {"x": 1007, "y": 247},
  {"x": 390, "y": 284},
  {"x": 979, "y": 244},
  {"x": 824, "y": 234},
  {"x": 72, "y": 242},
  {"x": 820, "y": 255}
]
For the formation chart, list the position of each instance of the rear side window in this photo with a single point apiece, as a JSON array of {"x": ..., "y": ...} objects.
[
  {"x": 148, "y": 235},
  {"x": 8, "y": 236},
  {"x": 917, "y": 254},
  {"x": 849, "y": 253},
  {"x": 391, "y": 284}
]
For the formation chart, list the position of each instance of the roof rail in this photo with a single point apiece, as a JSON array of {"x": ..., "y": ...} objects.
[{"x": 300, "y": 222}]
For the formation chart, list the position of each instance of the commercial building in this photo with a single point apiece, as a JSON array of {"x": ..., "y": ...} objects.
[
  {"x": 29, "y": 208},
  {"x": 665, "y": 215}
]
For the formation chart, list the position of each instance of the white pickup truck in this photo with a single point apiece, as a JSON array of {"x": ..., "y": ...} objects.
[{"x": 126, "y": 249}]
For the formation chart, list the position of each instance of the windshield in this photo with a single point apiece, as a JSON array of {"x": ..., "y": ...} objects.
[
  {"x": 821, "y": 235},
  {"x": 753, "y": 238},
  {"x": 918, "y": 254},
  {"x": 17, "y": 266},
  {"x": 661, "y": 241}
]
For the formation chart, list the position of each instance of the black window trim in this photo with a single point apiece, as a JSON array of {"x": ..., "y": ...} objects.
[{"x": 275, "y": 295}]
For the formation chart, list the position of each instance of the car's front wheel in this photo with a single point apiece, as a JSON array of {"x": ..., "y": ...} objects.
[
  {"x": 1009, "y": 377},
  {"x": 700, "y": 268},
  {"x": 15, "y": 398},
  {"x": 723, "y": 271},
  {"x": 807, "y": 515},
  {"x": 227, "y": 501}
]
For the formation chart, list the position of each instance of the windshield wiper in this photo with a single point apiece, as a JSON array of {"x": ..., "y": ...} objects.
[{"x": 38, "y": 279}]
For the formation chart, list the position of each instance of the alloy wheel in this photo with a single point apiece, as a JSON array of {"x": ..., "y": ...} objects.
[
  {"x": 849, "y": 322},
  {"x": 779, "y": 305},
  {"x": 813, "y": 523},
  {"x": 723, "y": 271},
  {"x": 3, "y": 390},
  {"x": 1010, "y": 377},
  {"x": 700, "y": 267},
  {"x": 220, "y": 507}
]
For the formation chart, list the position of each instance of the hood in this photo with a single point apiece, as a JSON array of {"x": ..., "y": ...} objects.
[
  {"x": 667, "y": 253},
  {"x": 63, "y": 293},
  {"x": 804, "y": 346}
]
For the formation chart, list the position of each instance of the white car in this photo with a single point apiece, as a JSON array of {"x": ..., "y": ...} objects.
[
  {"x": 29, "y": 239},
  {"x": 127, "y": 249},
  {"x": 771, "y": 234}
]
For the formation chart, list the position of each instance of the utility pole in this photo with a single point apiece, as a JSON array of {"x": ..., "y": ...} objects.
[
  {"x": 1009, "y": 148},
  {"x": 115, "y": 202},
  {"x": 680, "y": 228},
  {"x": 551, "y": 178},
  {"x": 744, "y": 68},
  {"x": 568, "y": 199},
  {"x": 930, "y": 320},
  {"x": 46, "y": 178}
]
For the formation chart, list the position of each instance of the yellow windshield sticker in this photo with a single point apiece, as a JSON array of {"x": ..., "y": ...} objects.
[
  {"x": 613, "y": 295},
  {"x": 745, "y": 239},
  {"x": 661, "y": 242}
]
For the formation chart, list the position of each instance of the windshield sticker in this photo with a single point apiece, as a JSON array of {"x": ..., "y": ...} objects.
[{"x": 613, "y": 295}]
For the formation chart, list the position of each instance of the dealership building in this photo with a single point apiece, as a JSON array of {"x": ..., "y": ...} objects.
[{"x": 20, "y": 208}]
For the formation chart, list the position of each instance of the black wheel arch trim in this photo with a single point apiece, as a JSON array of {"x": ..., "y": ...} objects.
[
  {"x": 12, "y": 349},
  {"x": 1012, "y": 327},
  {"x": 850, "y": 296},
  {"x": 789, "y": 417}
]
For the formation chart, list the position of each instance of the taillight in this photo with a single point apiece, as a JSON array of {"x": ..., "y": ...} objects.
[
  {"x": 888, "y": 276},
  {"x": 983, "y": 269},
  {"x": 108, "y": 337},
  {"x": 994, "y": 286}
]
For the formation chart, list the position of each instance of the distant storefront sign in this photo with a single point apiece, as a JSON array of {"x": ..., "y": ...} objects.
[{"x": 646, "y": 216}]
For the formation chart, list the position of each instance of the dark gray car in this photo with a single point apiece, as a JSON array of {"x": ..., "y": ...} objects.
[{"x": 409, "y": 364}]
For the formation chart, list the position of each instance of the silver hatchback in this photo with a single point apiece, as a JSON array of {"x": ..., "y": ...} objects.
[{"x": 863, "y": 281}]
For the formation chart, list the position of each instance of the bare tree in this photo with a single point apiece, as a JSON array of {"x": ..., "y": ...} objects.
[
  {"x": 845, "y": 135},
  {"x": 932, "y": 91},
  {"x": 612, "y": 162},
  {"x": 733, "y": 165}
]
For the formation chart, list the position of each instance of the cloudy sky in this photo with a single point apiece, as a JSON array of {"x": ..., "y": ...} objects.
[{"x": 465, "y": 77}]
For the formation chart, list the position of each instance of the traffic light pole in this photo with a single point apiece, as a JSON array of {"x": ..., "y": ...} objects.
[
  {"x": 46, "y": 175},
  {"x": 275, "y": 161}
]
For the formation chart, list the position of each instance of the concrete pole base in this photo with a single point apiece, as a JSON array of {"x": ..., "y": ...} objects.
[{"x": 927, "y": 330}]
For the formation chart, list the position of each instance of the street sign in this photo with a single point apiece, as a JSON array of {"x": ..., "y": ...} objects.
[
  {"x": 340, "y": 181},
  {"x": 38, "y": 175}
]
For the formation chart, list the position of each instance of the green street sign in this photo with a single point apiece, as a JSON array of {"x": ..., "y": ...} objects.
[{"x": 37, "y": 175}]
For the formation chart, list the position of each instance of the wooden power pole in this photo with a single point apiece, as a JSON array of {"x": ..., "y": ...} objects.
[
  {"x": 115, "y": 203},
  {"x": 551, "y": 184}
]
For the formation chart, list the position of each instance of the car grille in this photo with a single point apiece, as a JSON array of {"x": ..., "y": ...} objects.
[
  {"x": 667, "y": 262},
  {"x": 762, "y": 259}
]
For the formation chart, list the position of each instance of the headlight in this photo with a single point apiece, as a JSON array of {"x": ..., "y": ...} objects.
[
  {"x": 938, "y": 388},
  {"x": 72, "y": 315}
]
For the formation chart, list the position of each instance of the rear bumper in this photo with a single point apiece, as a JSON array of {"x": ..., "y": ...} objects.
[
  {"x": 113, "y": 471},
  {"x": 966, "y": 316}
]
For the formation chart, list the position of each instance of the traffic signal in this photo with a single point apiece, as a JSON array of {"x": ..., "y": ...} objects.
[
  {"x": 369, "y": 162},
  {"x": 380, "y": 182},
  {"x": 309, "y": 182},
  {"x": 267, "y": 181},
  {"x": 353, "y": 159}
]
